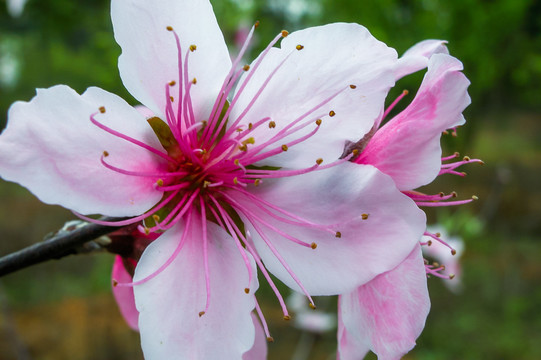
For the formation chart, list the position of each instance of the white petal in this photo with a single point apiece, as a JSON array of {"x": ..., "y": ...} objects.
[
  {"x": 416, "y": 58},
  {"x": 149, "y": 58},
  {"x": 337, "y": 197},
  {"x": 334, "y": 57},
  {"x": 51, "y": 147},
  {"x": 169, "y": 304}
]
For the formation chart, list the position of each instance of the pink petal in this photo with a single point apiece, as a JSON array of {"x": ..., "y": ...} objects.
[
  {"x": 337, "y": 197},
  {"x": 408, "y": 147},
  {"x": 169, "y": 304},
  {"x": 149, "y": 58},
  {"x": 387, "y": 314},
  {"x": 416, "y": 58},
  {"x": 259, "y": 349},
  {"x": 124, "y": 295},
  {"x": 51, "y": 147},
  {"x": 334, "y": 57}
]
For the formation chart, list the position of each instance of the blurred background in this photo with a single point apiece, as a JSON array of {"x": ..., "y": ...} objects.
[{"x": 64, "y": 309}]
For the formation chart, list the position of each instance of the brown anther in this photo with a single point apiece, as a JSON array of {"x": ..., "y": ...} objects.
[
  {"x": 236, "y": 162},
  {"x": 429, "y": 242},
  {"x": 105, "y": 154},
  {"x": 451, "y": 276},
  {"x": 441, "y": 194},
  {"x": 453, "y": 252},
  {"x": 312, "y": 306},
  {"x": 256, "y": 25},
  {"x": 318, "y": 122},
  {"x": 257, "y": 182},
  {"x": 466, "y": 158},
  {"x": 338, "y": 234},
  {"x": 250, "y": 126},
  {"x": 319, "y": 161},
  {"x": 243, "y": 148},
  {"x": 364, "y": 216},
  {"x": 194, "y": 81},
  {"x": 437, "y": 234},
  {"x": 454, "y": 194},
  {"x": 147, "y": 231},
  {"x": 156, "y": 218},
  {"x": 102, "y": 109},
  {"x": 204, "y": 122},
  {"x": 193, "y": 48},
  {"x": 284, "y": 147},
  {"x": 313, "y": 245},
  {"x": 436, "y": 264},
  {"x": 474, "y": 197},
  {"x": 332, "y": 113},
  {"x": 172, "y": 99},
  {"x": 115, "y": 283},
  {"x": 355, "y": 152},
  {"x": 299, "y": 47},
  {"x": 272, "y": 125},
  {"x": 285, "y": 33},
  {"x": 169, "y": 28},
  {"x": 287, "y": 317},
  {"x": 239, "y": 130},
  {"x": 445, "y": 132},
  {"x": 353, "y": 86},
  {"x": 201, "y": 313},
  {"x": 270, "y": 339},
  {"x": 172, "y": 83},
  {"x": 246, "y": 67},
  {"x": 405, "y": 92},
  {"x": 247, "y": 290}
]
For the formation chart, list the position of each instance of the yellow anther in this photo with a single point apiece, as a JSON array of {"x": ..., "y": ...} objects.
[
  {"x": 319, "y": 161},
  {"x": 102, "y": 109},
  {"x": 284, "y": 147},
  {"x": 313, "y": 245},
  {"x": 299, "y": 47},
  {"x": 451, "y": 276},
  {"x": 272, "y": 125},
  {"x": 206, "y": 184},
  {"x": 156, "y": 218},
  {"x": 172, "y": 83},
  {"x": 312, "y": 306},
  {"x": 256, "y": 25},
  {"x": 169, "y": 28},
  {"x": 338, "y": 234},
  {"x": 193, "y": 48},
  {"x": 285, "y": 33},
  {"x": 201, "y": 313},
  {"x": 147, "y": 231},
  {"x": 474, "y": 197},
  {"x": 159, "y": 182},
  {"x": 355, "y": 152},
  {"x": 466, "y": 158},
  {"x": 318, "y": 122},
  {"x": 194, "y": 81},
  {"x": 257, "y": 182},
  {"x": 250, "y": 140},
  {"x": 246, "y": 290},
  {"x": 287, "y": 317},
  {"x": 235, "y": 181},
  {"x": 236, "y": 162},
  {"x": 436, "y": 264},
  {"x": 353, "y": 86},
  {"x": 270, "y": 339},
  {"x": 239, "y": 130},
  {"x": 364, "y": 216},
  {"x": 246, "y": 67},
  {"x": 105, "y": 154},
  {"x": 332, "y": 113},
  {"x": 405, "y": 92}
]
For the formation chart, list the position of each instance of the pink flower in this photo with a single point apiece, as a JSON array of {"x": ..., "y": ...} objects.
[
  {"x": 387, "y": 314},
  {"x": 240, "y": 171}
]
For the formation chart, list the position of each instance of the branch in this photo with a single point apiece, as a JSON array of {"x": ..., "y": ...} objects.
[{"x": 69, "y": 240}]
